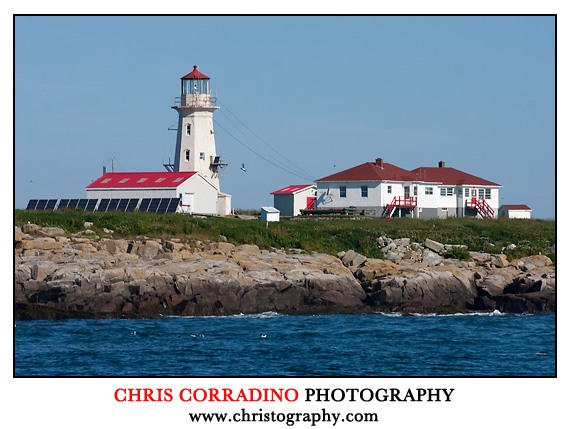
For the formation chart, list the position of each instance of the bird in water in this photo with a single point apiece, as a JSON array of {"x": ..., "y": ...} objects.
[
  {"x": 262, "y": 336},
  {"x": 133, "y": 332}
]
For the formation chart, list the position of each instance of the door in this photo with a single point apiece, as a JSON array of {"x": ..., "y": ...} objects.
[{"x": 187, "y": 203}]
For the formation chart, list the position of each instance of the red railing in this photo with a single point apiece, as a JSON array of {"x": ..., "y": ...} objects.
[
  {"x": 482, "y": 207},
  {"x": 401, "y": 203}
]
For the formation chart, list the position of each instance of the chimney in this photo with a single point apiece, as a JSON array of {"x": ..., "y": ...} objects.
[
  {"x": 104, "y": 170},
  {"x": 441, "y": 164},
  {"x": 380, "y": 162}
]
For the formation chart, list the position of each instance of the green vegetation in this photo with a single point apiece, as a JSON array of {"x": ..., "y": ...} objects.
[{"x": 330, "y": 235}]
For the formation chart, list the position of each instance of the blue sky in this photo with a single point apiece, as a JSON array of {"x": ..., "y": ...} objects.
[{"x": 301, "y": 97}]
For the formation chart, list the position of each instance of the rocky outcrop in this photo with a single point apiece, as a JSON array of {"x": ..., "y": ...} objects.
[
  {"x": 75, "y": 276},
  {"x": 417, "y": 277},
  {"x": 83, "y": 275}
]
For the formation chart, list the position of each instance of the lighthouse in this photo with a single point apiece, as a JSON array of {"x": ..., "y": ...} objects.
[{"x": 195, "y": 140}]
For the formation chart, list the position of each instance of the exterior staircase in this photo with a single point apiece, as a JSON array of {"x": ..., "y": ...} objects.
[
  {"x": 400, "y": 203},
  {"x": 483, "y": 208}
]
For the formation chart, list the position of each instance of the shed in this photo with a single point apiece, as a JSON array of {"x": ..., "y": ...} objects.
[
  {"x": 270, "y": 214},
  {"x": 294, "y": 198},
  {"x": 196, "y": 194},
  {"x": 515, "y": 211}
]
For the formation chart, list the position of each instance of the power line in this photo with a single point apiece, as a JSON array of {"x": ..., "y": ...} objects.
[
  {"x": 263, "y": 157},
  {"x": 301, "y": 171}
]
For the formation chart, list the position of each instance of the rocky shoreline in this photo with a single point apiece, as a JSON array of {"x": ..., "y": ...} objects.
[{"x": 61, "y": 275}]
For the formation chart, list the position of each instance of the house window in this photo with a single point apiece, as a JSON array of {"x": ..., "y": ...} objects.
[
  {"x": 429, "y": 190},
  {"x": 415, "y": 191},
  {"x": 446, "y": 192},
  {"x": 444, "y": 209},
  {"x": 188, "y": 128},
  {"x": 460, "y": 192},
  {"x": 364, "y": 191},
  {"x": 487, "y": 194},
  {"x": 481, "y": 193},
  {"x": 202, "y": 155},
  {"x": 187, "y": 155},
  {"x": 343, "y": 191},
  {"x": 389, "y": 189}
]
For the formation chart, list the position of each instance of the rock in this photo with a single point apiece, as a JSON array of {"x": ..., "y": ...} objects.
[
  {"x": 431, "y": 258},
  {"x": 30, "y": 228},
  {"x": 87, "y": 225},
  {"x": 51, "y": 232},
  {"x": 434, "y": 245},
  {"x": 500, "y": 261},
  {"x": 353, "y": 260}
]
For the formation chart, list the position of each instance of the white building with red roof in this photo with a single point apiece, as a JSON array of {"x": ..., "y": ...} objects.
[
  {"x": 291, "y": 199},
  {"x": 382, "y": 189},
  {"x": 196, "y": 194},
  {"x": 194, "y": 176},
  {"x": 515, "y": 211}
]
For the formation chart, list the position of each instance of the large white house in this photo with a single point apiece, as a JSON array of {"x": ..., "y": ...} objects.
[
  {"x": 382, "y": 189},
  {"x": 194, "y": 176}
]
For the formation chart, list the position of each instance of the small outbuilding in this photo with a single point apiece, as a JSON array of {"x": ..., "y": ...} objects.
[
  {"x": 269, "y": 214},
  {"x": 515, "y": 211},
  {"x": 196, "y": 194},
  {"x": 294, "y": 198}
]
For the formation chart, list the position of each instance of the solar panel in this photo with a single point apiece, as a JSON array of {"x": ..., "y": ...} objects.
[
  {"x": 113, "y": 204},
  {"x": 82, "y": 204},
  {"x": 144, "y": 204},
  {"x": 163, "y": 205},
  {"x": 73, "y": 204},
  {"x": 51, "y": 204},
  {"x": 103, "y": 204},
  {"x": 62, "y": 204},
  {"x": 32, "y": 205},
  {"x": 123, "y": 204},
  {"x": 173, "y": 205},
  {"x": 41, "y": 204},
  {"x": 132, "y": 205},
  {"x": 91, "y": 203},
  {"x": 153, "y": 206}
]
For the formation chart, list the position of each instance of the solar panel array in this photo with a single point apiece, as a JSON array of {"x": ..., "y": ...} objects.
[
  {"x": 41, "y": 205},
  {"x": 159, "y": 205},
  {"x": 151, "y": 205}
]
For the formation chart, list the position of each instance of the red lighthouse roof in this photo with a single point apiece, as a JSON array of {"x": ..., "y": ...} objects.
[{"x": 195, "y": 74}]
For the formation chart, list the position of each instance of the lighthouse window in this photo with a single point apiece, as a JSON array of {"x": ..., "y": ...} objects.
[
  {"x": 202, "y": 155},
  {"x": 187, "y": 155},
  {"x": 188, "y": 128}
]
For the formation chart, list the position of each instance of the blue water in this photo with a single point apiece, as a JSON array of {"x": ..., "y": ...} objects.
[{"x": 377, "y": 345}]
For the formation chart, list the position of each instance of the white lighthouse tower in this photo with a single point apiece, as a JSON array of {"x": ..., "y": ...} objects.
[{"x": 195, "y": 142}]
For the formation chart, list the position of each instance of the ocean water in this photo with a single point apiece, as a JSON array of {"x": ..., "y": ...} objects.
[{"x": 272, "y": 345}]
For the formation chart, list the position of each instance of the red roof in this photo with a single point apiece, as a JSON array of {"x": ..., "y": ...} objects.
[
  {"x": 516, "y": 207},
  {"x": 292, "y": 189},
  {"x": 195, "y": 74},
  {"x": 383, "y": 171},
  {"x": 137, "y": 180},
  {"x": 370, "y": 171},
  {"x": 449, "y": 176}
]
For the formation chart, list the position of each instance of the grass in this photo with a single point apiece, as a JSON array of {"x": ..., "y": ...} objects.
[{"x": 314, "y": 234}]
